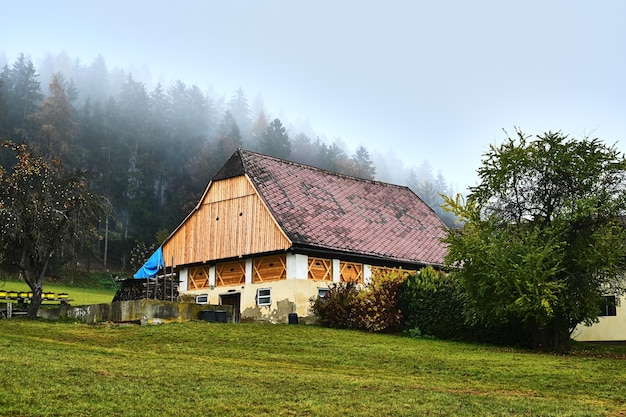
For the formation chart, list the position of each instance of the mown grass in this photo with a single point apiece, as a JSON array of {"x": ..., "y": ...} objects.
[
  {"x": 79, "y": 295},
  {"x": 210, "y": 369}
]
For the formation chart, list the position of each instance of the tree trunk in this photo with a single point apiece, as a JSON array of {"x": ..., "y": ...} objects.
[
  {"x": 35, "y": 302},
  {"x": 35, "y": 283},
  {"x": 552, "y": 337}
]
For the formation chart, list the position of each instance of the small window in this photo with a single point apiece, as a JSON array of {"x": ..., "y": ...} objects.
[
  {"x": 264, "y": 296},
  {"x": 202, "y": 299},
  {"x": 607, "y": 308},
  {"x": 321, "y": 292}
]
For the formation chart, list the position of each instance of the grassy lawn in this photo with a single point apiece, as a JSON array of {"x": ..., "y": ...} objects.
[
  {"x": 211, "y": 369},
  {"x": 80, "y": 295}
]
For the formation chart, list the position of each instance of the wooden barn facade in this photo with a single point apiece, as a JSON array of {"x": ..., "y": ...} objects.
[{"x": 268, "y": 235}]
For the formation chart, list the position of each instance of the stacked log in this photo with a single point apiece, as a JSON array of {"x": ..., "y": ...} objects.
[{"x": 139, "y": 289}]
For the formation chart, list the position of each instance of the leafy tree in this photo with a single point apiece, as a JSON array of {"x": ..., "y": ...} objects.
[
  {"x": 275, "y": 141},
  {"x": 543, "y": 238},
  {"x": 45, "y": 211}
]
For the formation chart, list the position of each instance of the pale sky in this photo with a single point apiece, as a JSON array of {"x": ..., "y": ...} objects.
[{"x": 426, "y": 80}]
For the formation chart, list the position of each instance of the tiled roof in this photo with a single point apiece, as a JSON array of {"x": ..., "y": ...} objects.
[{"x": 328, "y": 211}]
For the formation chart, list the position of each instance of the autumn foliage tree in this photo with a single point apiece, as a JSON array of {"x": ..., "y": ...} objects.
[{"x": 45, "y": 211}]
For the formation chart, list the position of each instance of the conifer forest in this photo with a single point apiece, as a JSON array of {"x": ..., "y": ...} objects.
[{"x": 151, "y": 148}]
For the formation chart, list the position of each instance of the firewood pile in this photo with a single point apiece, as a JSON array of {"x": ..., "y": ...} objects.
[{"x": 139, "y": 289}]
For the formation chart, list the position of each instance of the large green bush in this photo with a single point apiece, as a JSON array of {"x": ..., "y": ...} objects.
[{"x": 433, "y": 302}]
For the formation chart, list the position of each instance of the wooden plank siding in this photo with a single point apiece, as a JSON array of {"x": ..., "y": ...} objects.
[
  {"x": 231, "y": 221},
  {"x": 320, "y": 269},
  {"x": 269, "y": 268},
  {"x": 351, "y": 271},
  {"x": 230, "y": 273},
  {"x": 198, "y": 278}
]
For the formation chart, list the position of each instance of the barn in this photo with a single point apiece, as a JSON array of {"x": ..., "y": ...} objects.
[{"x": 268, "y": 235}]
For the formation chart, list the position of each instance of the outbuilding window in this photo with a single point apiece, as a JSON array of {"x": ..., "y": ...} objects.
[
  {"x": 202, "y": 299},
  {"x": 264, "y": 296},
  {"x": 607, "y": 308}
]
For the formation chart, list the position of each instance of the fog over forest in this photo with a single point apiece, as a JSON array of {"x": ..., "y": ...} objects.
[{"x": 152, "y": 146}]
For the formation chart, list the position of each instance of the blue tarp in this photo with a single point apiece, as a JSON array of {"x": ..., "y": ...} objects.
[{"x": 152, "y": 265}]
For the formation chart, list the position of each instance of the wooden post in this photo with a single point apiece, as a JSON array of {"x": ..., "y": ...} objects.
[{"x": 172, "y": 281}]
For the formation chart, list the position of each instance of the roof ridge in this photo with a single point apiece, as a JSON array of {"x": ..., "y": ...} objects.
[{"x": 242, "y": 151}]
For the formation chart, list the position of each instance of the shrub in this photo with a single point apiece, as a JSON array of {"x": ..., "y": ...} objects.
[
  {"x": 373, "y": 308},
  {"x": 433, "y": 302},
  {"x": 376, "y": 306},
  {"x": 335, "y": 308}
]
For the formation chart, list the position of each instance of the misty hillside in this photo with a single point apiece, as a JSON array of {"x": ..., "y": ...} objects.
[{"x": 151, "y": 148}]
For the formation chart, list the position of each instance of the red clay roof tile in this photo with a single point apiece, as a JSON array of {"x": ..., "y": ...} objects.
[{"x": 329, "y": 211}]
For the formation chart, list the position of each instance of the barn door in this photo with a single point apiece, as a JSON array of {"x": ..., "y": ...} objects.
[{"x": 233, "y": 300}]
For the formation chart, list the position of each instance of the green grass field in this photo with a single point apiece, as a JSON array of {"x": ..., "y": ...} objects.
[
  {"x": 80, "y": 295},
  {"x": 211, "y": 369}
]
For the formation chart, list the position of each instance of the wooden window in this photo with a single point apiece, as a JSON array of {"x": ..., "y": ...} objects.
[
  {"x": 269, "y": 268},
  {"x": 198, "y": 278},
  {"x": 350, "y": 271},
  {"x": 230, "y": 273},
  {"x": 320, "y": 269}
]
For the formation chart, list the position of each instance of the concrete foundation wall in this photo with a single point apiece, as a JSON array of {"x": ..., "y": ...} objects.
[{"x": 137, "y": 311}]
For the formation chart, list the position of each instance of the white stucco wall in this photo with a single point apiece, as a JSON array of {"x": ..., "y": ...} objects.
[
  {"x": 291, "y": 295},
  {"x": 609, "y": 328}
]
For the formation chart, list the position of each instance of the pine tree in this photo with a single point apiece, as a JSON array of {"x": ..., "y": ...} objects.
[
  {"x": 240, "y": 109},
  {"x": 275, "y": 141},
  {"x": 362, "y": 165},
  {"x": 23, "y": 92},
  {"x": 51, "y": 127}
]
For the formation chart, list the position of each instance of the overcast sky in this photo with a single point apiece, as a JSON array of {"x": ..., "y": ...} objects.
[{"x": 428, "y": 80}]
